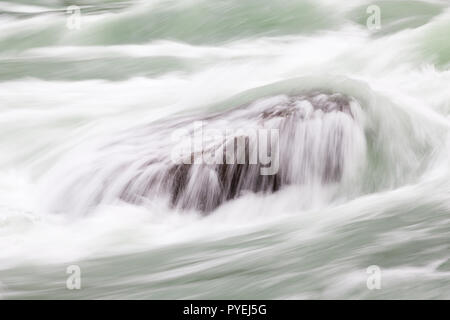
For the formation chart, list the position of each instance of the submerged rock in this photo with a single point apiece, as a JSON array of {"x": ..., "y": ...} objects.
[
  {"x": 198, "y": 163},
  {"x": 308, "y": 136}
]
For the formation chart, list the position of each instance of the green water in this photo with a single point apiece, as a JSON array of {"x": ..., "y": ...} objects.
[{"x": 66, "y": 95}]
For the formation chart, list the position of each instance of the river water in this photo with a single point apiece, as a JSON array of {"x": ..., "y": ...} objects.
[{"x": 74, "y": 82}]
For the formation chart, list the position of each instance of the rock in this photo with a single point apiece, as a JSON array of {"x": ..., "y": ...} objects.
[{"x": 309, "y": 145}]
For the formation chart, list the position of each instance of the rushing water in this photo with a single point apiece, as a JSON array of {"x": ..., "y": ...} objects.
[{"x": 86, "y": 121}]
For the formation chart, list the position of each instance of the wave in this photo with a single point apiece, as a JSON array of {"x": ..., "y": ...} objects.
[
  {"x": 195, "y": 22},
  {"x": 361, "y": 151},
  {"x": 399, "y": 15},
  {"x": 87, "y": 118}
]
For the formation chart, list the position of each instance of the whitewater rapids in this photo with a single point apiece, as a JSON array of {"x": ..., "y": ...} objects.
[{"x": 86, "y": 121}]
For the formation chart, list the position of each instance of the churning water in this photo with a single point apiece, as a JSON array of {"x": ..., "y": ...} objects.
[{"x": 90, "y": 99}]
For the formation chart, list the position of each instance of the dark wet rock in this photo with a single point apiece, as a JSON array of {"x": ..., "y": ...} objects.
[
  {"x": 204, "y": 187},
  {"x": 312, "y": 140}
]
